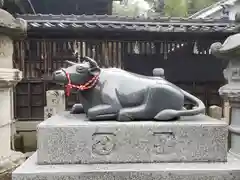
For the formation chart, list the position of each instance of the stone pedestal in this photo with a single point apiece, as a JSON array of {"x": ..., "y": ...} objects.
[
  {"x": 72, "y": 147},
  {"x": 10, "y": 28},
  {"x": 130, "y": 171},
  {"x": 67, "y": 138},
  {"x": 8, "y": 78}
]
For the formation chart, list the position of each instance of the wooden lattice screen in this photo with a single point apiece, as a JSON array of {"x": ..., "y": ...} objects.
[{"x": 40, "y": 57}]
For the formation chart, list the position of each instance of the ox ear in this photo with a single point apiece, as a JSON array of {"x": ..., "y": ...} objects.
[
  {"x": 91, "y": 61},
  {"x": 70, "y": 62},
  {"x": 94, "y": 71}
]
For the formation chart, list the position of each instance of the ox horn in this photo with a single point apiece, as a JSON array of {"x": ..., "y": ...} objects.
[
  {"x": 92, "y": 62},
  {"x": 70, "y": 62}
]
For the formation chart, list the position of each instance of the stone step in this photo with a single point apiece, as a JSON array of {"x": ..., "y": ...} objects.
[
  {"x": 141, "y": 171},
  {"x": 66, "y": 138}
]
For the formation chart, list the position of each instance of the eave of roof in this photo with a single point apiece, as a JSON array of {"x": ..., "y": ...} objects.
[
  {"x": 119, "y": 23},
  {"x": 212, "y": 9}
]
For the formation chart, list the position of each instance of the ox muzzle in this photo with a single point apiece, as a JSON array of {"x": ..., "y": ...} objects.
[{"x": 60, "y": 77}]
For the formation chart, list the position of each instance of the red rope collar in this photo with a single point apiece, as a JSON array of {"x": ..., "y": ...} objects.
[{"x": 88, "y": 85}]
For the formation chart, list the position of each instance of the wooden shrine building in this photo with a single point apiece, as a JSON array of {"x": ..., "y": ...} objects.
[{"x": 180, "y": 46}]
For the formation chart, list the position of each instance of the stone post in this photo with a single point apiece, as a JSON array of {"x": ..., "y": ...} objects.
[
  {"x": 226, "y": 111},
  {"x": 55, "y": 103},
  {"x": 158, "y": 72},
  {"x": 215, "y": 112},
  {"x": 10, "y": 29},
  {"x": 230, "y": 51}
]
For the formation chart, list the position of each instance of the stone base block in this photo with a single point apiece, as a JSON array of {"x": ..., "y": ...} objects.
[
  {"x": 142, "y": 171},
  {"x": 66, "y": 138}
]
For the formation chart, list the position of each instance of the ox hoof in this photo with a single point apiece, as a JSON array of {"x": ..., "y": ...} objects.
[
  {"x": 166, "y": 115},
  {"x": 77, "y": 109},
  {"x": 124, "y": 117}
]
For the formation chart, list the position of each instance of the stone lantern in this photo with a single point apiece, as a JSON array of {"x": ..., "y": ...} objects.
[
  {"x": 10, "y": 29},
  {"x": 230, "y": 51}
]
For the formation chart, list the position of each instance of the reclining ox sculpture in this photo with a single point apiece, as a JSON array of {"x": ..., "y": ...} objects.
[{"x": 112, "y": 93}]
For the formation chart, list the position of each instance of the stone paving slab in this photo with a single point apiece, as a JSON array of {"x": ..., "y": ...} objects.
[{"x": 142, "y": 171}]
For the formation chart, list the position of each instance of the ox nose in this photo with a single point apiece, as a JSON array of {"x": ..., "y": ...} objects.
[{"x": 59, "y": 77}]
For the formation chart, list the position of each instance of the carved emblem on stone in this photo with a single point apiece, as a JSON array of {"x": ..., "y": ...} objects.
[
  {"x": 103, "y": 143},
  {"x": 49, "y": 112},
  {"x": 55, "y": 98},
  {"x": 164, "y": 142}
]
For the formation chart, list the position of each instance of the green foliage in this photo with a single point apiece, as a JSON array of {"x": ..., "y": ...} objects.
[
  {"x": 125, "y": 9},
  {"x": 130, "y": 8},
  {"x": 176, "y": 8},
  {"x": 173, "y": 8}
]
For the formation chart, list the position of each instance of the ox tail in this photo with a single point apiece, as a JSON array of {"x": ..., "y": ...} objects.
[{"x": 169, "y": 114}]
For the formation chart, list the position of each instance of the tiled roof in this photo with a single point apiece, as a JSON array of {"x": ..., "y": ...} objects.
[
  {"x": 119, "y": 23},
  {"x": 208, "y": 11}
]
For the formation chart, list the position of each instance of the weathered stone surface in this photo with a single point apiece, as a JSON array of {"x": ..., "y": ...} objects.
[
  {"x": 49, "y": 112},
  {"x": 10, "y": 26},
  {"x": 215, "y": 112},
  {"x": 55, "y": 103},
  {"x": 226, "y": 111},
  {"x": 10, "y": 163},
  {"x": 142, "y": 171},
  {"x": 8, "y": 79},
  {"x": 67, "y": 138},
  {"x": 56, "y": 98},
  {"x": 229, "y": 49}
]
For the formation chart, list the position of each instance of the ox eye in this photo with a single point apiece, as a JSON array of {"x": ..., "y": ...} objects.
[{"x": 79, "y": 68}]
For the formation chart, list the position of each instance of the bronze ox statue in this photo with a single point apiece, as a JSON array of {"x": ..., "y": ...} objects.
[{"x": 112, "y": 93}]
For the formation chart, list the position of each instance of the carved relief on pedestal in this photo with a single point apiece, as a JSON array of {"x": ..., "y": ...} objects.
[
  {"x": 103, "y": 143},
  {"x": 165, "y": 143}
]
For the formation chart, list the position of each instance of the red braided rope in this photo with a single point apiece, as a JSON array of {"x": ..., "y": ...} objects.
[{"x": 86, "y": 86}]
